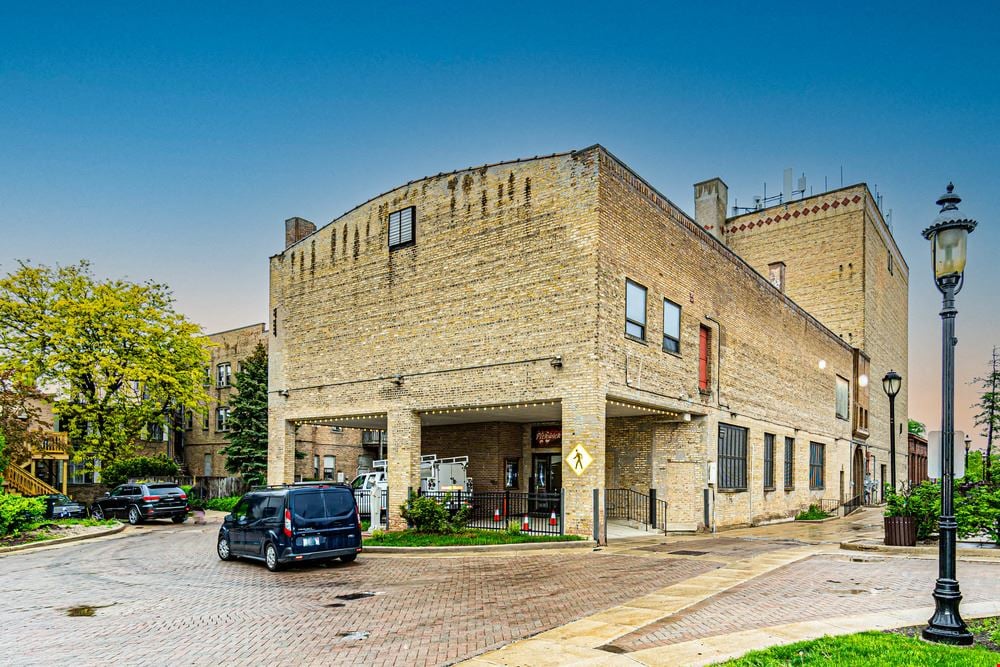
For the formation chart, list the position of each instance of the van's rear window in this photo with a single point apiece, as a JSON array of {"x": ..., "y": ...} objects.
[{"x": 322, "y": 504}]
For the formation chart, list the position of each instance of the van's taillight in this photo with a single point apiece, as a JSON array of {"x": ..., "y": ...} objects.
[
  {"x": 150, "y": 498},
  {"x": 288, "y": 523}
]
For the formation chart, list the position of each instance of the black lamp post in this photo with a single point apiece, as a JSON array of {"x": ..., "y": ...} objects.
[
  {"x": 891, "y": 384},
  {"x": 948, "y": 236},
  {"x": 968, "y": 443}
]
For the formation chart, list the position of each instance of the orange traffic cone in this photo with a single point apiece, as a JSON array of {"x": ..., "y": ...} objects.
[
  {"x": 524, "y": 524},
  {"x": 496, "y": 514},
  {"x": 552, "y": 520}
]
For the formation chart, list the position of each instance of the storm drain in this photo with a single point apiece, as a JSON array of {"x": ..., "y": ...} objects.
[
  {"x": 357, "y": 596},
  {"x": 688, "y": 552}
]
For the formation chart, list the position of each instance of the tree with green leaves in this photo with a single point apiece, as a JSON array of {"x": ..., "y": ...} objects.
[
  {"x": 916, "y": 428},
  {"x": 246, "y": 453},
  {"x": 116, "y": 353},
  {"x": 988, "y": 405}
]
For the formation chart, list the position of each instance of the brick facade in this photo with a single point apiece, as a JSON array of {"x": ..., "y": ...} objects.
[{"x": 508, "y": 311}]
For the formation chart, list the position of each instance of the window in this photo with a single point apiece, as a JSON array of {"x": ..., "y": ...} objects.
[
  {"x": 401, "y": 227},
  {"x": 315, "y": 466},
  {"x": 222, "y": 419},
  {"x": 816, "y": 455},
  {"x": 207, "y": 380},
  {"x": 843, "y": 400},
  {"x": 329, "y": 465},
  {"x": 635, "y": 310},
  {"x": 732, "y": 458},
  {"x": 188, "y": 419},
  {"x": 208, "y": 465},
  {"x": 776, "y": 274},
  {"x": 769, "y": 462},
  {"x": 671, "y": 327},
  {"x": 704, "y": 345},
  {"x": 862, "y": 397},
  {"x": 224, "y": 373},
  {"x": 204, "y": 421},
  {"x": 789, "y": 464}
]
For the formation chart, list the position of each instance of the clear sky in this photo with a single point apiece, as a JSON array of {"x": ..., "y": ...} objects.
[{"x": 171, "y": 140}]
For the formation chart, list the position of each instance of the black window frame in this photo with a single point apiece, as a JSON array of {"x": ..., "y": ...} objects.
[
  {"x": 645, "y": 314},
  {"x": 732, "y": 458},
  {"x": 769, "y": 462},
  {"x": 817, "y": 469},
  {"x": 789, "y": 463},
  {"x": 413, "y": 228},
  {"x": 676, "y": 341}
]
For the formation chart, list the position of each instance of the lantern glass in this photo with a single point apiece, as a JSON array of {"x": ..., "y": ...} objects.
[
  {"x": 949, "y": 251},
  {"x": 891, "y": 383}
]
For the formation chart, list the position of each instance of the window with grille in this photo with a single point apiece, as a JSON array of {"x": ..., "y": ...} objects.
[
  {"x": 671, "y": 327},
  {"x": 789, "y": 463},
  {"x": 635, "y": 310},
  {"x": 816, "y": 456},
  {"x": 769, "y": 462},
  {"x": 402, "y": 225},
  {"x": 732, "y": 458}
]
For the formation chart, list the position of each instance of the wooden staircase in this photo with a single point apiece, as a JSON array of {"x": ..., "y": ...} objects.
[{"x": 20, "y": 481}]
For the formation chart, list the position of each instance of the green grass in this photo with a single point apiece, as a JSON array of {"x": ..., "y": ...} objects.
[
  {"x": 987, "y": 626},
  {"x": 867, "y": 649},
  {"x": 411, "y": 538},
  {"x": 72, "y": 522}
]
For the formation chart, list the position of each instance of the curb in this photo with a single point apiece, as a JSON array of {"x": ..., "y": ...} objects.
[
  {"x": 963, "y": 552},
  {"x": 480, "y": 548},
  {"x": 62, "y": 540}
]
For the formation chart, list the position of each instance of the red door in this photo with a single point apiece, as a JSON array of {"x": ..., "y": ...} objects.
[{"x": 703, "y": 339}]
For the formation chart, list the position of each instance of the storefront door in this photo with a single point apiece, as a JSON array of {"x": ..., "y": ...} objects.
[{"x": 546, "y": 477}]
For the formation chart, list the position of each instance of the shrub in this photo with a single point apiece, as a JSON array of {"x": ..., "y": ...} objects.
[
  {"x": 17, "y": 513},
  {"x": 923, "y": 502},
  {"x": 814, "y": 513},
  {"x": 138, "y": 467},
  {"x": 222, "y": 504},
  {"x": 427, "y": 515},
  {"x": 513, "y": 528}
]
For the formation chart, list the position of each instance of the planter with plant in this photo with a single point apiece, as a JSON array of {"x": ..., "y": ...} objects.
[{"x": 911, "y": 513}]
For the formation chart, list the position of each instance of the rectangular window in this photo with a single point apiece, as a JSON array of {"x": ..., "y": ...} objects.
[
  {"x": 208, "y": 465},
  {"x": 732, "y": 458},
  {"x": 401, "y": 227},
  {"x": 204, "y": 421},
  {"x": 704, "y": 345},
  {"x": 188, "y": 419},
  {"x": 635, "y": 310},
  {"x": 843, "y": 399},
  {"x": 222, "y": 419},
  {"x": 769, "y": 462},
  {"x": 224, "y": 374},
  {"x": 816, "y": 460},
  {"x": 671, "y": 327},
  {"x": 329, "y": 466},
  {"x": 789, "y": 464},
  {"x": 315, "y": 466}
]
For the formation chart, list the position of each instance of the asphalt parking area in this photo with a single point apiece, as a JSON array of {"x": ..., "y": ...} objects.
[{"x": 160, "y": 596}]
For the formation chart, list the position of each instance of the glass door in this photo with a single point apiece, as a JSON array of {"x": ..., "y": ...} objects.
[{"x": 546, "y": 477}]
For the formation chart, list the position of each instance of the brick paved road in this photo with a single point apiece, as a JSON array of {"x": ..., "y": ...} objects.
[
  {"x": 816, "y": 588},
  {"x": 173, "y": 602}
]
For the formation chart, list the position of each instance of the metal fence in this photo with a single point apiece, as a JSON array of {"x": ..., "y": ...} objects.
[
  {"x": 852, "y": 505},
  {"x": 363, "y": 498},
  {"x": 540, "y": 513},
  {"x": 630, "y": 505},
  {"x": 830, "y": 505}
]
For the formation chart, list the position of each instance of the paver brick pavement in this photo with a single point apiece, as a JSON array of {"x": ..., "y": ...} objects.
[{"x": 163, "y": 597}]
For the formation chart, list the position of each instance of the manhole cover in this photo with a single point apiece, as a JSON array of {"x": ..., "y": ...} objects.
[
  {"x": 357, "y": 596},
  {"x": 688, "y": 552}
]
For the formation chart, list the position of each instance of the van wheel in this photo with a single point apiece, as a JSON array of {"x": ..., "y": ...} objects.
[
  {"x": 224, "y": 549},
  {"x": 349, "y": 558},
  {"x": 271, "y": 558}
]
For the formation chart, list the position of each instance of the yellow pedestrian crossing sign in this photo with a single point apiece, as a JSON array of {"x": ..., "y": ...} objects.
[{"x": 579, "y": 459}]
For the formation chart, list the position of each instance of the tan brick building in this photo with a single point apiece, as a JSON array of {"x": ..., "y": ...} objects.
[
  {"x": 202, "y": 436},
  {"x": 528, "y": 312}
]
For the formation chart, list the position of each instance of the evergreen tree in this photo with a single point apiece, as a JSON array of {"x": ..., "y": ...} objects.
[
  {"x": 246, "y": 453},
  {"x": 989, "y": 405}
]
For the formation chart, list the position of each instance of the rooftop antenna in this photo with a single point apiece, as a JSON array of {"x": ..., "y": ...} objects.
[
  {"x": 802, "y": 186},
  {"x": 841, "y": 175}
]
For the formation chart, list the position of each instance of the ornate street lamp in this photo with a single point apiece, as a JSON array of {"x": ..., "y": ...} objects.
[
  {"x": 968, "y": 443},
  {"x": 948, "y": 236},
  {"x": 891, "y": 384}
]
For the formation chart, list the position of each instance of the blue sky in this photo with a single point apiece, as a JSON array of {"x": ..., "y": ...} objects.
[{"x": 170, "y": 140}]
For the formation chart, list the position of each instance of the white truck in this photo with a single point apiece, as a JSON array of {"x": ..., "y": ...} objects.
[{"x": 436, "y": 476}]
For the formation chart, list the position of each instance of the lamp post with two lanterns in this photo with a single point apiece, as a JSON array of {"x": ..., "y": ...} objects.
[{"x": 948, "y": 236}]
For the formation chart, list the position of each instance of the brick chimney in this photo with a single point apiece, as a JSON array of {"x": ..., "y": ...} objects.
[
  {"x": 297, "y": 229},
  {"x": 711, "y": 199}
]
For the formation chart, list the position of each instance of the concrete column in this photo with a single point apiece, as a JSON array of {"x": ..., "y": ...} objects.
[
  {"x": 403, "y": 459},
  {"x": 711, "y": 199},
  {"x": 281, "y": 452},
  {"x": 583, "y": 423}
]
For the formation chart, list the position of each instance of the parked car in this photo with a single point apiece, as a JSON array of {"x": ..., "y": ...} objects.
[
  {"x": 139, "y": 502},
  {"x": 315, "y": 521},
  {"x": 59, "y": 506}
]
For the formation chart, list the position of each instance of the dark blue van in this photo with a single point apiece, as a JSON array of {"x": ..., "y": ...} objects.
[{"x": 293, "y": 523}]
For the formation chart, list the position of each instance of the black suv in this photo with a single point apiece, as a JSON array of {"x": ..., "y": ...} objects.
[
  {"x": 293, "y": 523},
  {"x": 138, "y": 502}
]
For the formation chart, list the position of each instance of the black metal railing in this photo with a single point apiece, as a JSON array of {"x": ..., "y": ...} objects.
[
  {"x": 852, "y": 505},
  {"x": 631, "y": 505},
  {"x": 540, "y": 513},
  {"x": 830, "y": 505},
  {"x": 363, "y": 498}
]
